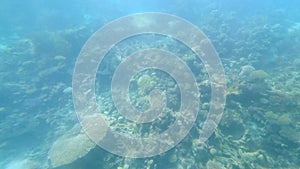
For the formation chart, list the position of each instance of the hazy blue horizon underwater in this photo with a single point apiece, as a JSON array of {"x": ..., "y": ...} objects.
[{"x": 258, "y": 43}]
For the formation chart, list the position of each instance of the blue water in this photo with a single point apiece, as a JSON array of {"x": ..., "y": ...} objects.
[{"x": 258, "y": 43}]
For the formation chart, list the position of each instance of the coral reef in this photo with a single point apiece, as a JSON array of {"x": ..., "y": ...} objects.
[{"x": 260, "y": 126}]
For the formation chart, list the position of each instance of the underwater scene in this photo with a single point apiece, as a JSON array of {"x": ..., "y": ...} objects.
[{"x": 124, "y": 84}]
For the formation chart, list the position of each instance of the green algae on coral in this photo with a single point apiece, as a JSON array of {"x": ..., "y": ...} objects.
[{"x": 258, "y": 75}]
